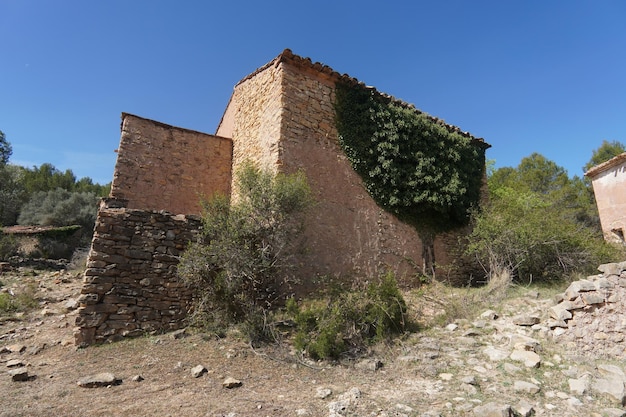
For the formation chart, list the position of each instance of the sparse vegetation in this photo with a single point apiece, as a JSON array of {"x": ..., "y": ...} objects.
[
  {"x": 349, "y": 321},
  {"x": 241, "y": 265}
]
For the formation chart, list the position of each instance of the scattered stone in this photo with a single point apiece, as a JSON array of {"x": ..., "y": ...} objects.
[
  {"x": 338, "y": 408},
  {"x": 495, "y": 354},
  {"x": 231, "y": 383},
  {"x": 613, "y": 412},
  {"x": 527, "y": 387},
  {"x": 369, "y": 365},
  {"x": 71, "y": 304},
  {"x": 137, "y": 378},
  {"x": 611, "y": 388},
  {"x": 579, "y": 386},
  {"x": 14, "y": 363},
  {"x": 446, "y": 376},
  {"x": 471, "y": 380},
  {"x": 19, "y": 374},
  {"x": 323, "y": 393},
  {"x": 530, "y": 359},
  {"x": 489, "y": 315},
  {"x": 179, "y": 334},
  {"x": 525, "y": 320},
  {"x": 523, "y": 409},
  {"x": 452, "y": 327},
  {"x": 492, "y": 410},
  {"x": 14, "y": 348},
  {"x": 35, "y": 350},
  {"x": 104, "y": 379},
  {"x": 198, "y": 371}
]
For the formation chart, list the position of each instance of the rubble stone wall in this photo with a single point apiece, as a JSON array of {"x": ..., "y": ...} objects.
[
  {"x": 162, "y": 167},
  {"x": 130, "y": 285}
]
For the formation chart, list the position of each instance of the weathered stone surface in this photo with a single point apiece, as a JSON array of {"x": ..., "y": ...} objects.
[
  {"x": 14, "y": 363},
  {"x": 198, "y": 370},
  {"x": 526, "y": 387},
  {"x": 323, "y": 393},
  {"x": 579, "y": 386},
  {"x": 530, "y": 359},
  {"x": 526, "y": 320},
  {"x": 369, "y": 364},
  {"x": 19, "y": 374},
  {"x": 103, "y": 379},
  {"x": 612, "y": 388},
  {"x": 492, "y": 410},
  {"x": 495, "y": 354},
  {"x": 230, "y": 382}
]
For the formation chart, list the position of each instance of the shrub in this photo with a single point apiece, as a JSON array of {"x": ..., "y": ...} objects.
[
  {"x": 60, "y": 208},
  {"x": 8, "y": 246},
  {"x": 23, "y": 300},
  {"x": 349, "y": 321},
  {"x": 533, "y": 239},
  {"x": 243, "y": 260}
]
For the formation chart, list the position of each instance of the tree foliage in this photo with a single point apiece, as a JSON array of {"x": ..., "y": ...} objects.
[
  {"x": 5, "y": 149},
  {"x": 242, "y": 262},
  {"x": 605, "y": 152},
  {"x": 60, "y": 208},
  {"x": 539, "y": 223}
]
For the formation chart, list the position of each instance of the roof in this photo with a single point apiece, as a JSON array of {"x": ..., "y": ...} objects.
[
  {"x": 289, "y": 57},
  {"x": 598, "y": 169}
]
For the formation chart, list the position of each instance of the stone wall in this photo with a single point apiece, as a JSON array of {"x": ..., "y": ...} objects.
[
  {"x": 162, "y": 167},
  {"x": 609, "y": 187},
  {"x": 130, "y": 285},
  {"x": 253, "y": 118}
]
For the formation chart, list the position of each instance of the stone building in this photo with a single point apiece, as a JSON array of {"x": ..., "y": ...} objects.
[
  {"x": 609, "y": 186},
  {"x": 280, "y": 117}
]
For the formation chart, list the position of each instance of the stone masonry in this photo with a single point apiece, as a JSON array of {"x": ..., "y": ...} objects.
[
  {"x": 130, "y": 285},
  {"x": 281, "y": 117}
]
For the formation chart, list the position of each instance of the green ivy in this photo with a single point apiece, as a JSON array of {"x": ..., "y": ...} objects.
[{"x": 413, "y": 166}]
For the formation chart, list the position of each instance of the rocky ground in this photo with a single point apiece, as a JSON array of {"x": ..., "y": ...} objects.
[{"x": 531, "y": 355}]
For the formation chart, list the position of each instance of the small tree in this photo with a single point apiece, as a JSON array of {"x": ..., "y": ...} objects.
[{"x": 244, "y": 258}]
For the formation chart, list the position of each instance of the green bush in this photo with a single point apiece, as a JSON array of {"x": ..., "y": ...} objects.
[
  {"x": 243, "y": 261},
  {"x": 60, "y": 207},
  {"x": 23, "y": 300},
  {"x": 8, "y": 246},
  {"x": 351, "y": 321},
  {"x": 524, "y": 233}
]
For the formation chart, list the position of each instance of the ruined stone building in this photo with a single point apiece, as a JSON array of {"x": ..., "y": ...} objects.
[
  {"x": 609, "y": 186},
  {"x": 280, "y": 117}
]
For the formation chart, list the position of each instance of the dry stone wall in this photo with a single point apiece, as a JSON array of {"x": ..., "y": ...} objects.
[{"x": 130, "y": 285}]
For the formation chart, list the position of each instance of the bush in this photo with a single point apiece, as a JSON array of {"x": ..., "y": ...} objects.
[
  {"x": 243, "y": 261},
  {"x": 22, "y": 301},
  {"x": 350, "y": 321},
  {"x": 533, "y": 239},
  {"x": 8, "y": 246},
  {"x": 60, "y": 208}
]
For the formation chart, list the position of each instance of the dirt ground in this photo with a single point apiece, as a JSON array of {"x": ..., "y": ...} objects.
[{"x": 433, "y": 373}]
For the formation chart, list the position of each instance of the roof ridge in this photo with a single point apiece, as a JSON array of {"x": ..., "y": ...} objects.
[{"x": 288, "y": 56}]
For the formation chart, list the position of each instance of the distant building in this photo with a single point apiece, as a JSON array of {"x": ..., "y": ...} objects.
[{"x": 609, "y": 186}]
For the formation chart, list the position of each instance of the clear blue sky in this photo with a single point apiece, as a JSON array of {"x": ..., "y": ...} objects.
[{"x": 527, "y": 76}]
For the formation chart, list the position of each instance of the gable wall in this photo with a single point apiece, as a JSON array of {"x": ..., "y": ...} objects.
[
  {"x": 609, "y": 187},
  {"x": 162, "y": 167}
]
